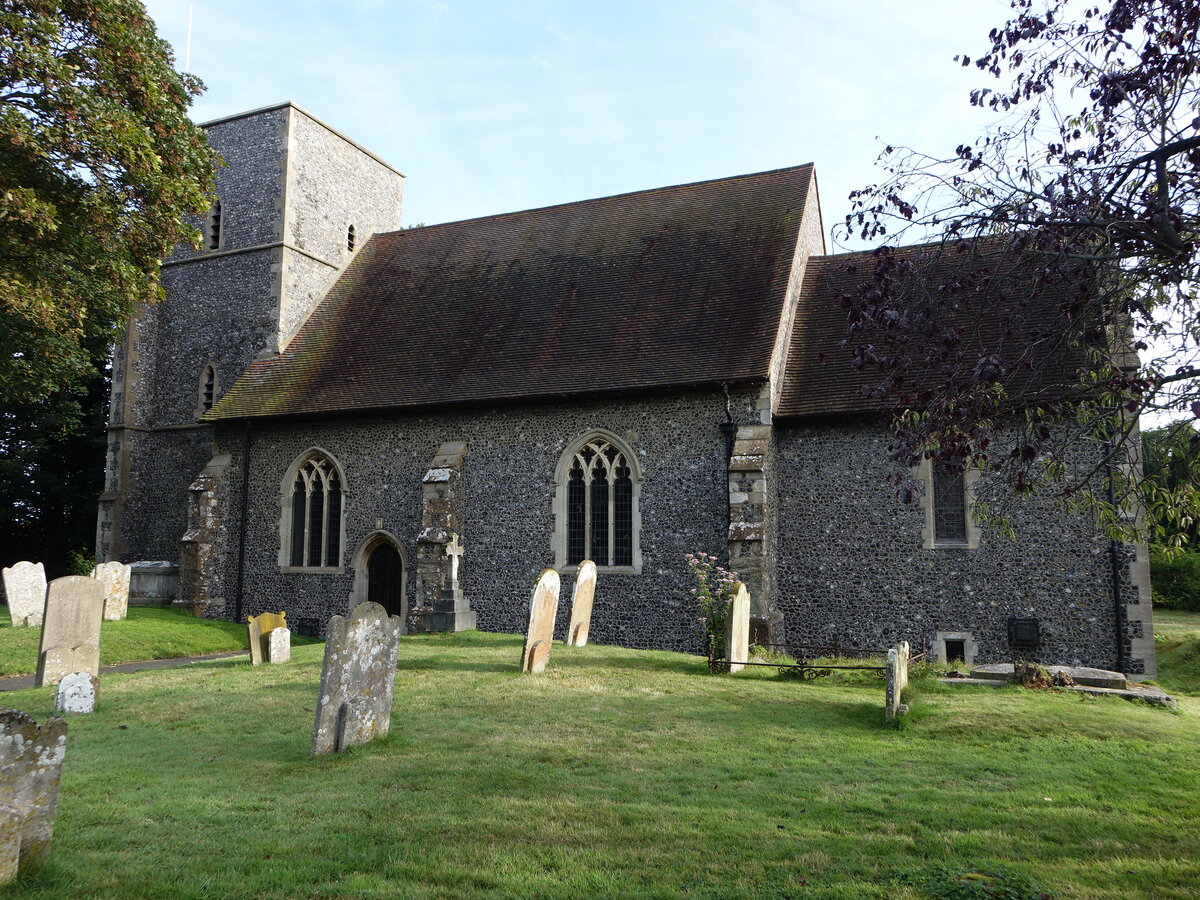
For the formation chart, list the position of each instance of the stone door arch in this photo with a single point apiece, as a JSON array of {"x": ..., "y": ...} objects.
[{"x": 381, "y": 574}]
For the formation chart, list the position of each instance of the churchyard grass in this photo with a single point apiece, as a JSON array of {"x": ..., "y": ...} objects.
[
  {"x": 147, "y": 633},
  {"x": 615, "y": 773},
  {"x": 1177, "y": 641}
]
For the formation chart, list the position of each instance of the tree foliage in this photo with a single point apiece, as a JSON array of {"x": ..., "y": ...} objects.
[
  {"x": 1061, "y": 242},
  {"x": 98, "y": 165}
]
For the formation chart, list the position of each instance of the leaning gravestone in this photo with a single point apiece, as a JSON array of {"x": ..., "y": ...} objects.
[
  {"x": 357, "y": 678},
  {"x": 896, "y": 680},
  {"x": 115, "y": 578},
  {"x": 260, "y": 628},
  {"x": 737, "y": 629},
  {"x": 77, "y": 693},
  {"x": 581, "y": 604},
  {"x": 25, "y": 593},
  {"x": 543, "y": 609},
  {"x": 71, "y": 630},
  {"x": 31, "y": 758}
]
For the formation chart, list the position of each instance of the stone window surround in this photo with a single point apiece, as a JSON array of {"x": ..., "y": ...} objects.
[
  {"x": 923, "y": 475},
  {"x": 558, "y": 542},
  {"x": 285, "y": 514},
  {"x": 937, "y": 649},
  {"x": 216, "y": 388},
  {"x": 358, "y": 565},
  {"x": 214, "y": 227}
]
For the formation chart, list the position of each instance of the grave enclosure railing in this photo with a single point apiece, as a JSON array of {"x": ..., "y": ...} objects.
[{"x": 804, "y": 658}]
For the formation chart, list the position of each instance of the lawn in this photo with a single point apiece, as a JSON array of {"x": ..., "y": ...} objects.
[
  {"x": 615, "y": 773},
  {"x": 1177, "y": 642},
  {"x": 147, "y": 633}
]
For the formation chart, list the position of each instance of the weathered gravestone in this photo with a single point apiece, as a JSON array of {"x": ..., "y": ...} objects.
[
  {"x": 71, "y": 630},
  {"x": 77, "y": 693},
  {"x": 737, "y": 629},
  {"x": 581, "y": 604},
  {"x": 896, "y": 680},
  {"x": 31, "y": 758},
  {"x": 543, "y": 608},
  {"x": 115, "y": 578},
  {"x": 25, "y": 593},
  {"x": 260, "y": 628},
  {"x": 357, "y": 678},
  {"x": 279, "y": 645}
]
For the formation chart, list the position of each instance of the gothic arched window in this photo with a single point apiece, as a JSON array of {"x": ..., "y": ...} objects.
[
  {"x": 597, "y": 505},
  {"x": 314, "y": 521}
]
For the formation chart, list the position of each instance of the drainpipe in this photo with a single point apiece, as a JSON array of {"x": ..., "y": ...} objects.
[
  {"x": 1114, "y": 559},
  {"x": 241, "y": 565}
]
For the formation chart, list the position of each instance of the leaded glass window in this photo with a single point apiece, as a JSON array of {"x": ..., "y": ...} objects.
[
  {"x": 316, "y": 515},
  {"x": 949, "y": 505},
  {"x": 600, "y": 506}
]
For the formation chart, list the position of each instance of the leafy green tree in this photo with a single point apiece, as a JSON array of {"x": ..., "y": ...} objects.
[{"x": 99, "y": 164}]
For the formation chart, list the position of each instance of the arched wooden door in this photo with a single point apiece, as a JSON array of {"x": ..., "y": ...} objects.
[{"x": 385, "y": 579}]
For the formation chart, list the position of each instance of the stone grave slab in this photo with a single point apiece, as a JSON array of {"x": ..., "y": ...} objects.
[
  {"x": 357, "y": 679},
  {"x": 115, "y": 578},
  {"x": 71, "y": 629},
  {"x": 259, "y": 630},
  {"x": 31, "y": 758},
  {"x": 77, "y": 693},
  {"x": 1085, "y": 675},
  {"x": 896, "y": 679},
  {"x": 25, "y": 593},
  {"x": 543, "y": 609},
  {"x": 581, "y": 604},
  {"x": 737, "y": 629}
]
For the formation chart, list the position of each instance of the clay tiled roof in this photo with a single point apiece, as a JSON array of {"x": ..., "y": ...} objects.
[
  {"x": 670, "y": 287},
  {"x": 820, "y": 380}
]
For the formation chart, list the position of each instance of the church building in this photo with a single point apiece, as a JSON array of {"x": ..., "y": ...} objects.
[{"x": 329, "y": 407}]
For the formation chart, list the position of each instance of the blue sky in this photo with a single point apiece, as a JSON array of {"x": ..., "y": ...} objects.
[{"x": 489, "y": 107}]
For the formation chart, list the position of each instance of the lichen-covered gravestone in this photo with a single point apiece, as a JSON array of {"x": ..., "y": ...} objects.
[
  {"x": 737, "y": 629},
  {"x": 896, "y": 679},
  {"x": 581, "y": 604},
  {"x": 357, "y": 678},
  {"x": 71, "y": 630},
  {"x": 115, "y": 578},
  {"x": 31, "y": 758},
  {"x": 260, "y": 628},
  {"x": 543, "y": 608},
  {"x": 77, "y": 693},
  {"x": 25, "y": 593}
]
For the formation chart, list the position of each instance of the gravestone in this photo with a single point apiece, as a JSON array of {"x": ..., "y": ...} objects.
[
  {"x": 451, "y": 611},
  {"x": 259, "y": 629},
  {"x": 31, "y": 758},
  {"x": 581, "y": 604},
  {"x": 896, "y": 680},
  {"x": 355, "y": 701},
  {"x": 543, "y": 609},
  {"x": 737, "y": 629},
  {"x": 279, "y": 645},
  {"x": 115, "y": 578},
  {"x": 77, "y": 693},
  {"x": 25, "y": 593},
  {"x": 71, "y": 629}
]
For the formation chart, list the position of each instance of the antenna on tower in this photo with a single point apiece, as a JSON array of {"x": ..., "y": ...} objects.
[{"x": 187, "y": 53}]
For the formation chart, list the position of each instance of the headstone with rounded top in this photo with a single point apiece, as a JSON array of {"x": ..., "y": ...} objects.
[
  {"x": 581, "y": 604},
  {"x": 896, "y": 679},
  {"x": 115, "y": 578},
  {"x": 737, "y": 629},
  {"x": 279, "y": 645},
  {"x": 259, "y": 629},
  {"x": 354, "y": 704},
  {"x": 543, "y": 609},
  {"x": 31, "y": 758},
  {"x": 77, "y": 693},
  {"x": 71, "y": 629},
  {"x": 25, "y": 593}
]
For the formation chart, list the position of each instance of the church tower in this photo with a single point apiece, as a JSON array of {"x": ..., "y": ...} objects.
[{"x": 295, "y": 200}]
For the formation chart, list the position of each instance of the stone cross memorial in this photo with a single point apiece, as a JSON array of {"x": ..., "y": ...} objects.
[
  {"x": 31, "y": 758},
  {"x": 737, "y": 629},
  {"x": 115, "y": 578},
  {"x": 25, "y": 593},
  {"x": 77, "y": 693},
  {"x": 71, "y": 630},
  {"x": 543, "y": 608},
  {"x": 451, "y": 611},
  {"x": 355, "y": 701},
  {"x": 581, "y": 604},
  {"x": 896, "y": 680},
  {"x": 261, "y": 630}
]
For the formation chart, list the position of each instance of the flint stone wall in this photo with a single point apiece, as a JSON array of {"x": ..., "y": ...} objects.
[{"x": 852, "y": 563}]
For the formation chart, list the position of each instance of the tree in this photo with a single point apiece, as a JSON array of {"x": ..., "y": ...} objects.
[
  {"x": 99, "y": 163},
  {"x": 1060, "y": 240}
]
